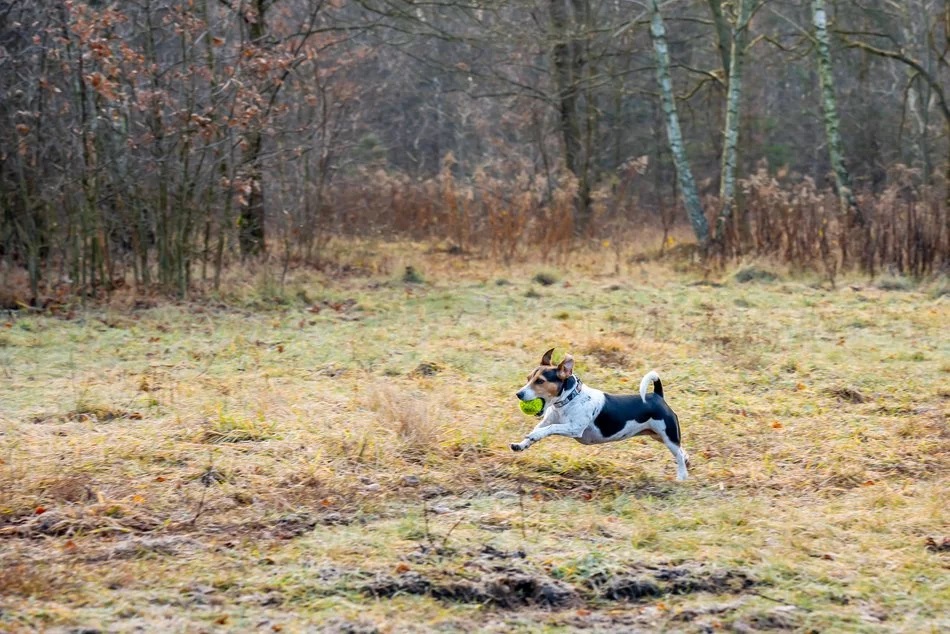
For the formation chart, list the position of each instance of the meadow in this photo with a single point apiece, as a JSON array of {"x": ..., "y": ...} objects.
[{"x": 330, "y": 453}]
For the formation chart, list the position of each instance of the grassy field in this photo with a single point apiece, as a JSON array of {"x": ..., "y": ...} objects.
[{"x": 332, "y": 455}]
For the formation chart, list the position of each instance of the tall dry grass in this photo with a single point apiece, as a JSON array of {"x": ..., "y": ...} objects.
[
  {"x": 507, "y": 212},
  {"x": 905, "y": 228}
]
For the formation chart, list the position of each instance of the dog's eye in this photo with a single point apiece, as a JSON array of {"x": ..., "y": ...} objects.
[{"x": 539, "y": 381}]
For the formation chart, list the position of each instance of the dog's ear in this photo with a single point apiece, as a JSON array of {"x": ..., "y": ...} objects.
[
  {"x": 565, "y": 368},
  {"x": 546, "y": 358}
]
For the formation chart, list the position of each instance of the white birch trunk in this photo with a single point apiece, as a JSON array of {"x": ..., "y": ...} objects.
[
  {"x": 730, "y": 149},
  {"x": 830, "y": 108},
  {"x": 694, "y": 208}
]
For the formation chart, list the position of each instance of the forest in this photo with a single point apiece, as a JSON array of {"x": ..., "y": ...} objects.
[{"x": 156, "y": 142}]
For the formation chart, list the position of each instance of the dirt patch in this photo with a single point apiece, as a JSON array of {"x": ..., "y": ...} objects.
[
  {"x": 690, "y": 578},
  {"x": 519, "y": 586},
  {"x": 507, "y": 589},
  {"x": 426, "y": 368},
  {"x": 624, "y": 587},
  {"x": 849, "y": 394},
  {"x": 87, "y": 413},
  {"x": 294, "y": 525},
  {"x": 782, "y": 618},
  {"x": 167, "y": 545},
  {"x": 101, "y": 518}
]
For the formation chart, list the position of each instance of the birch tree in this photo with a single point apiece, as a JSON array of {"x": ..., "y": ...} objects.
[
  {"x": 829, "y": 104},
  {"x": 694, "y": 208},
  {"x": 739, "y": 38}
]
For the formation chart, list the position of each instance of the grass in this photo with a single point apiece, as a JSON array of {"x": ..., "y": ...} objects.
[{"x": 333, "y": 454}]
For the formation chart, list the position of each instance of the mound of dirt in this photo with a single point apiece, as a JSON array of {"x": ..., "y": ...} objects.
[
  {"x": 515, "y": 584},
  {"x": 509, "y": 589}
]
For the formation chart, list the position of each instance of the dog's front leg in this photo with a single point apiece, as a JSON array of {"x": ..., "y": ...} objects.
[{"x": 543, "y": 431}]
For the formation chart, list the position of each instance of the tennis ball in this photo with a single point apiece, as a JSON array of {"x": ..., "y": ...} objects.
[{"x": 531, "y": 408}]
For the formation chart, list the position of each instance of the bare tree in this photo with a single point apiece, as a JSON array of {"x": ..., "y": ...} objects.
[{"x": 694, "y": 208}]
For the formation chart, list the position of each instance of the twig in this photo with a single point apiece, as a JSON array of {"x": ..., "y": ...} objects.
[
  {"x": 206, "y": 482},
  {"x": 524, "y": 535},
  {"x": 448, "y": 534},
  {"x": 201, "y": 504},
  {"x": 773, "y": 599},
  {"x": 425, "y": 521}
]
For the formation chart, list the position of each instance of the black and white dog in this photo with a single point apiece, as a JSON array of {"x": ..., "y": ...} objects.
[{"x": 592, "y": 417}]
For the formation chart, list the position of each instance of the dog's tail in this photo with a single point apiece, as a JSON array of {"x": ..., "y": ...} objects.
[{"x": 651, "y": 377}]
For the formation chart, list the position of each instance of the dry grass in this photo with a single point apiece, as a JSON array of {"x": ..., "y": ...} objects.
[{"x": 332, "y": 453}]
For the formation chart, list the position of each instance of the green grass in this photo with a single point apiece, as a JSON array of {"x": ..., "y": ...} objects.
[{"x": 338, "y": 459}]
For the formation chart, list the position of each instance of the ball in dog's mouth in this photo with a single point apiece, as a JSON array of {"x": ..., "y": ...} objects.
[{"x": 532, "y": 407}]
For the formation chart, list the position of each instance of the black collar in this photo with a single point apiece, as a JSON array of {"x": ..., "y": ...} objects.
[{"x": 572, "y": 395}]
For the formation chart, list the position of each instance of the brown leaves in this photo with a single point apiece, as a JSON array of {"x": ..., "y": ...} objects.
[{"x": 104, "y": 86}]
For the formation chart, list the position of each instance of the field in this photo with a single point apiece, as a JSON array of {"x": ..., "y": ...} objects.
[{"x": 332, "y": 454}]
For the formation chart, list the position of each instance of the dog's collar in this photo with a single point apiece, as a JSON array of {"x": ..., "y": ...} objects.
[{"x": 574, "y": 393}]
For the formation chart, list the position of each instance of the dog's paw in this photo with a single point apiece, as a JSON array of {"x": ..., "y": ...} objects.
[{"x": 516, "y": 447}]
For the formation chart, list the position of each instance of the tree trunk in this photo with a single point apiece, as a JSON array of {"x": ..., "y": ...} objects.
[
  {"x": 730, "y": 150},
  {"x": 694, "y": 208},
  {"x": 849, "y": 205},
  {"x": 723, "y": 35},
  {"x": 566, "y": 60},
  {"x": 251, "y": 234}
]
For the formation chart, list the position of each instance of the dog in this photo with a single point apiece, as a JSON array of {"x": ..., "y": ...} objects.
[{"x": 593, "y": 417}]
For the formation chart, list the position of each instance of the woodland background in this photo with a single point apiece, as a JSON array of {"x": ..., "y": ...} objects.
[{"x": 155, "y": 142}]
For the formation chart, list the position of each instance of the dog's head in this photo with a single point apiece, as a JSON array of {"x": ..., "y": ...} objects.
[{"x": 547, "y": 381}]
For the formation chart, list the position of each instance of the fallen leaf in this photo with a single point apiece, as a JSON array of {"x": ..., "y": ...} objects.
[
  {"x": 402, "y": 567},
  {"x": 776, "y": 425},
  {"x": 40, "y": 510}
]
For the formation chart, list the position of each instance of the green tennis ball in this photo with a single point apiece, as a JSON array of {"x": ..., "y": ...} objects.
[{"x": 531, "y": 408}]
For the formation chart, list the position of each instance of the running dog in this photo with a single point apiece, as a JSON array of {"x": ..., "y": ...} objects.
[{"x": 593, "y": 417}]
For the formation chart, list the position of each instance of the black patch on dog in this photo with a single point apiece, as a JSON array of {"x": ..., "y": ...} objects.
[
  {"x": 572, "y": 381},
  {"x": 618, "y": 410}
]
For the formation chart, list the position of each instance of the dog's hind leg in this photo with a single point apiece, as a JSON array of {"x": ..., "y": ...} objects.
[
  {"x": 679, "y": 454},
  {"x": 682, "y": 458}
]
